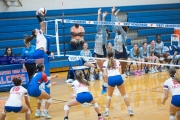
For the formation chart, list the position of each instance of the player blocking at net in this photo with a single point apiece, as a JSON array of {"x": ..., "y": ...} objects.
[{"x": 41, "y": 42}]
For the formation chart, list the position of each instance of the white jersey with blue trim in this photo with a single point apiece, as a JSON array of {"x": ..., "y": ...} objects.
[
  {"x": 79, "y": 87},
  {"x": 16, "y": 95},
  {"x": 173, "y": 86},
  {"x": 41, "y": 40},
  {"x": 112, "y": 72}
]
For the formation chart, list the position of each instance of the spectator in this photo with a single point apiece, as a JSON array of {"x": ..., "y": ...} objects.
[
  {"x": 28, "y": 53},
  {"x": 144, "y": 57},
  {"x": 8, "y": 52},
  {"x": 160, "y": 53},
  {"x": 77, "y": 33},
  {"x": 110, "y": 48},
  {"x": 87, "y": 61},
  {"x": 152, "y": 57},
  {"x": 135, "y": 56},
  {"x": 119, "y": 40}
]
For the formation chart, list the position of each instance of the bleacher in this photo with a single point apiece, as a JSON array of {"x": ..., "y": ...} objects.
[{"x": 14, "y": 25}]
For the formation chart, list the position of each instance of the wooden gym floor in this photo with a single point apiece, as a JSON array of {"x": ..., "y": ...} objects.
[{"x": 145, "y": 93}]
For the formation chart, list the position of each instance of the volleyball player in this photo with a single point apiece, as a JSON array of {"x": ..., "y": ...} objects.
[
  {"x": 34, "y": 91},
  {"x": 173, "y": 85},
  {"x": 14, "y": 104},
  {"x": 81, "y": 95},
  {"x": 152, "y": 57},
  {"x": 87, "y": 60},
  {"x": 41, "y": 43},
  {"x": 119, "y": 40},
  {"x": 99, "y": 51},
  {"x": 113, "y": 71}
]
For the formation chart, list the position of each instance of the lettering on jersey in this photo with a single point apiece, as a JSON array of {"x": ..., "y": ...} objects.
[
  {"x": 176, "y": 84},
  {"x": 81, "y": 85}
]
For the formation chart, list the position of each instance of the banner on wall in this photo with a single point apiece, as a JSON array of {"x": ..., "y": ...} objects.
[
  {"x": 7, "y": 60},
  {"x": 6, "y": 77}
]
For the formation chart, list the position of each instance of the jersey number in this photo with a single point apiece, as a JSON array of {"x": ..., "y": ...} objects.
[{"x": 16, "y": 89}]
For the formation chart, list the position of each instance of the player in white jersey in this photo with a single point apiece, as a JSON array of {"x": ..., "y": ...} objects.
[
  {"x": 81, "y": 95},
  {"x": 173, "y": 85},
  {"x": 41, "y": 42},
  {"x": 113, "y": 71},
  {"x": 14, "y": 104}
]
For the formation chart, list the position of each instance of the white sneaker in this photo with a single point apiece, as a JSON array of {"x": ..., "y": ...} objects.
[
  {"x": 69, "y": 81},
  {"x": 156, "y": 70},
  {"x": 38, "y": 112},
  {"x": 42, "y": 114},
  {"x": 150, "y": 71},
  {"x": 46, "y": 115},
  {"x": 153, "y": 71},
  {"x": 143, "y": 71},
  {"x": 91, "y": 77},
  {"x": 162, "y": 69},
  {"x": 131, "y": 113},
  {"x": 106, "y": 113}
]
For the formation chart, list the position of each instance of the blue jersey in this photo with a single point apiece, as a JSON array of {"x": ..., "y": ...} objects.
[{"x": 38, "y": 78}]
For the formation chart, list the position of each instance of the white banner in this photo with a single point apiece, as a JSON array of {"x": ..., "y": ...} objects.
[{"x": 121, "y": 23}]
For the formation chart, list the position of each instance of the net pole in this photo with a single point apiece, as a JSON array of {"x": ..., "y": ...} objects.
[
  {"x": 63, "y": 26},
  {"x": 57, "y": 37}
]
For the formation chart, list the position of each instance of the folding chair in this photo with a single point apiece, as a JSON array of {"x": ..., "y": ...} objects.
[
  {"x": 174, "y": 38},
  {"x": 75, "y": 63}
]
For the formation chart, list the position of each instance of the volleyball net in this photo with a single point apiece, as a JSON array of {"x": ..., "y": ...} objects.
[{"x": 137, "y": 33}]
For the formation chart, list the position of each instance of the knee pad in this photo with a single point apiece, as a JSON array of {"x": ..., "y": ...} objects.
[
  {"x": 108, "y": 97},
  {"x": 28, "y": 112},
  {"x": 178, "y": 113},
  {"x": 49, "y": 100},
  {"x": 96, "y": 105},
  {"x": 125, "y": 96},
  {"x": 172, "y": 117},
  {"x": 66, "y": 107},
  {"x": 3, "y": 112},
  {"x": 40, "y": 101},
  {"x": 91, "y": 70}
]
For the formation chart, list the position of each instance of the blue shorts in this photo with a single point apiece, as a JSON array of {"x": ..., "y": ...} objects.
[
  {"x": 84, "y": 97},
  {"x": 98, "y": 56},
  {"x": 34, "y": 91},
  {"x": 115, "y": 80},
  {"x": 38, "y": 54},
  {"x": 13, "y": 109},
  {"x": 176, "y": 100}
]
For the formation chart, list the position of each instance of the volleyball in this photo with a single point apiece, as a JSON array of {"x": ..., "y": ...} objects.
[{"x": 42, "y": 10}]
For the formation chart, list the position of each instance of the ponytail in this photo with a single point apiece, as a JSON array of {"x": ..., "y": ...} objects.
[
  {"x": 172, "y": 73},
  {"x": 79, "y": 77},
  {"x": 111, "y": 63},
  {"x": 28, "y": 38}
]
